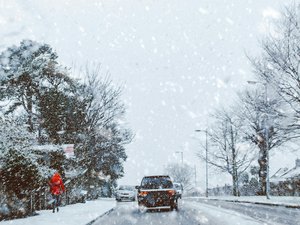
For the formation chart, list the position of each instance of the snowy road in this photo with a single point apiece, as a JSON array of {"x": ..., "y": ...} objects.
[
  {"x": 265, "y": 213},
  {"x": 191, "y": 213}
]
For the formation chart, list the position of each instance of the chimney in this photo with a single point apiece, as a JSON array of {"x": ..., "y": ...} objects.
[{"x": 297, "y": 163}]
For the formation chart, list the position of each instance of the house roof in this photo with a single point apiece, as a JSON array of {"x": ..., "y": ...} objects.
[
  {"x": 286, "y": 174},
  {"x": 294, "y": 172},
  {"x": 277, "y": 176}
]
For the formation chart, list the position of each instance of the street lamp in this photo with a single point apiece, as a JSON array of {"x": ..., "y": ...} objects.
[
  {"x": 266, "y": 134},
  {"x": 195, "y": 176},
  {"x": 206, "y": 164},
  {"x": 181, "y": 156}
]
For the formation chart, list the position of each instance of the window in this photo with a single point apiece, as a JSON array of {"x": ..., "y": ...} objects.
[{"x": 156, "y": 183}]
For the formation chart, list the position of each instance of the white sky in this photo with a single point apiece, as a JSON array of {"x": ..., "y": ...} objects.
[{"x": 177, "y": 60}]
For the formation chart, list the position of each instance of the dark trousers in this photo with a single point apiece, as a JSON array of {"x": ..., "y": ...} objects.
[{"x": 56, "y": 202}]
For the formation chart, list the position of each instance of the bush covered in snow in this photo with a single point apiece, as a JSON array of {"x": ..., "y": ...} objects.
[{"x": 41, "y": 108}]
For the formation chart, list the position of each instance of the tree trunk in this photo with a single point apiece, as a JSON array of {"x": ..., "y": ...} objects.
[
  {"x": 29, "y": 108},
  {"x": 234, "y": 186},
  {"x": 262, "y": 161},
  {"x": 235, "y": 181},
  {"x": 234, "y": 166}
]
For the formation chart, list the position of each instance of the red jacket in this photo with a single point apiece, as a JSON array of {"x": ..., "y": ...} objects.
[{"x": 56, "y": 184}]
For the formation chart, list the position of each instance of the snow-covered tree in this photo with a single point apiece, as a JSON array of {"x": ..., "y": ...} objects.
[
  {"x": 260, "y": 117},
  {"x": 20, "y": 173},
  {"x": 278, "y": 64},
  {"x": 60, "y": 110},
  {"x": 101, "y": 147},
  {"x": 228, "y": 152},
  {"x": 21, "y": 73},
  {"x": 181, "y": 173}
]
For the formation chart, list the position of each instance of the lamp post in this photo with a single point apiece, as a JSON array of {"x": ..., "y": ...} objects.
[
  {"x": 181, "y": 156},
  {"x": 195, "y": 175},
  {"x": 266, "y": 135},
  {"x": 206, "y": 164}
]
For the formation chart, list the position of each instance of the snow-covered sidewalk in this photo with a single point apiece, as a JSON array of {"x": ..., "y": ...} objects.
[
  {"x": 287, "y": 201},
  {"x": 77, "y": 214}
]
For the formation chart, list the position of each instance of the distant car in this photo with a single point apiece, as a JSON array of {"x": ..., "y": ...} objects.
[
  {"x": 179, "y": 189},
  {"x": 157, "y": 192},
  {"x": 125, "y": 192}
]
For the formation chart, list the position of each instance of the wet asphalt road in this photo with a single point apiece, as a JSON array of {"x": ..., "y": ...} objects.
[{"x": 201, "y": 211}]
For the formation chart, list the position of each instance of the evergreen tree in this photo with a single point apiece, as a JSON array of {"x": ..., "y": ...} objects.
[{"x": 21, "y": 72}]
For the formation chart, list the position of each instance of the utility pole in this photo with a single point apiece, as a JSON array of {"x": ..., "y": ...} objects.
[
  {"x": 195, "y": 176},
  {"x": 266, "y": 136},
  {"x": 267, "y": 142},
  {"x": 181, "y": 156},
  {"x": 206, "y": 160}
]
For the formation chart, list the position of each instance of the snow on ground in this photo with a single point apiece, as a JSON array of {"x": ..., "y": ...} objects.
[
  {"x": 190, "y": 213},
  {"x": 291, "y": 201},
  {"x": 80, "y": 213},
  {"x": 207, "y": 214}
]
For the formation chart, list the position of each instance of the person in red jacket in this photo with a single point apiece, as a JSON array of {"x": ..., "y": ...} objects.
[{"x": 56, "y": 188}]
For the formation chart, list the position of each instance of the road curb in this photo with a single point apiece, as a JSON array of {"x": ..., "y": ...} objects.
[
  {"x": 259, "y": 203},
  {"x": 104, "y": 214}
]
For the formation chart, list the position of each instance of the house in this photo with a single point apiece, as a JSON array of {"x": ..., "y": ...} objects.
[{"x": 286, "y": 181}]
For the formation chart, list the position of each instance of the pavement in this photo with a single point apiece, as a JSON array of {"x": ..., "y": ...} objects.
[{"x": 286, "y": 201}]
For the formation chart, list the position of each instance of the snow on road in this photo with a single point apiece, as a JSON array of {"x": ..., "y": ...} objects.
[
  {"x": 207, "y": 214},
  {"x": 77, "y": 214},
  {"x": 267, "y": 214},
  {"x": 190, "y": 213}
]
